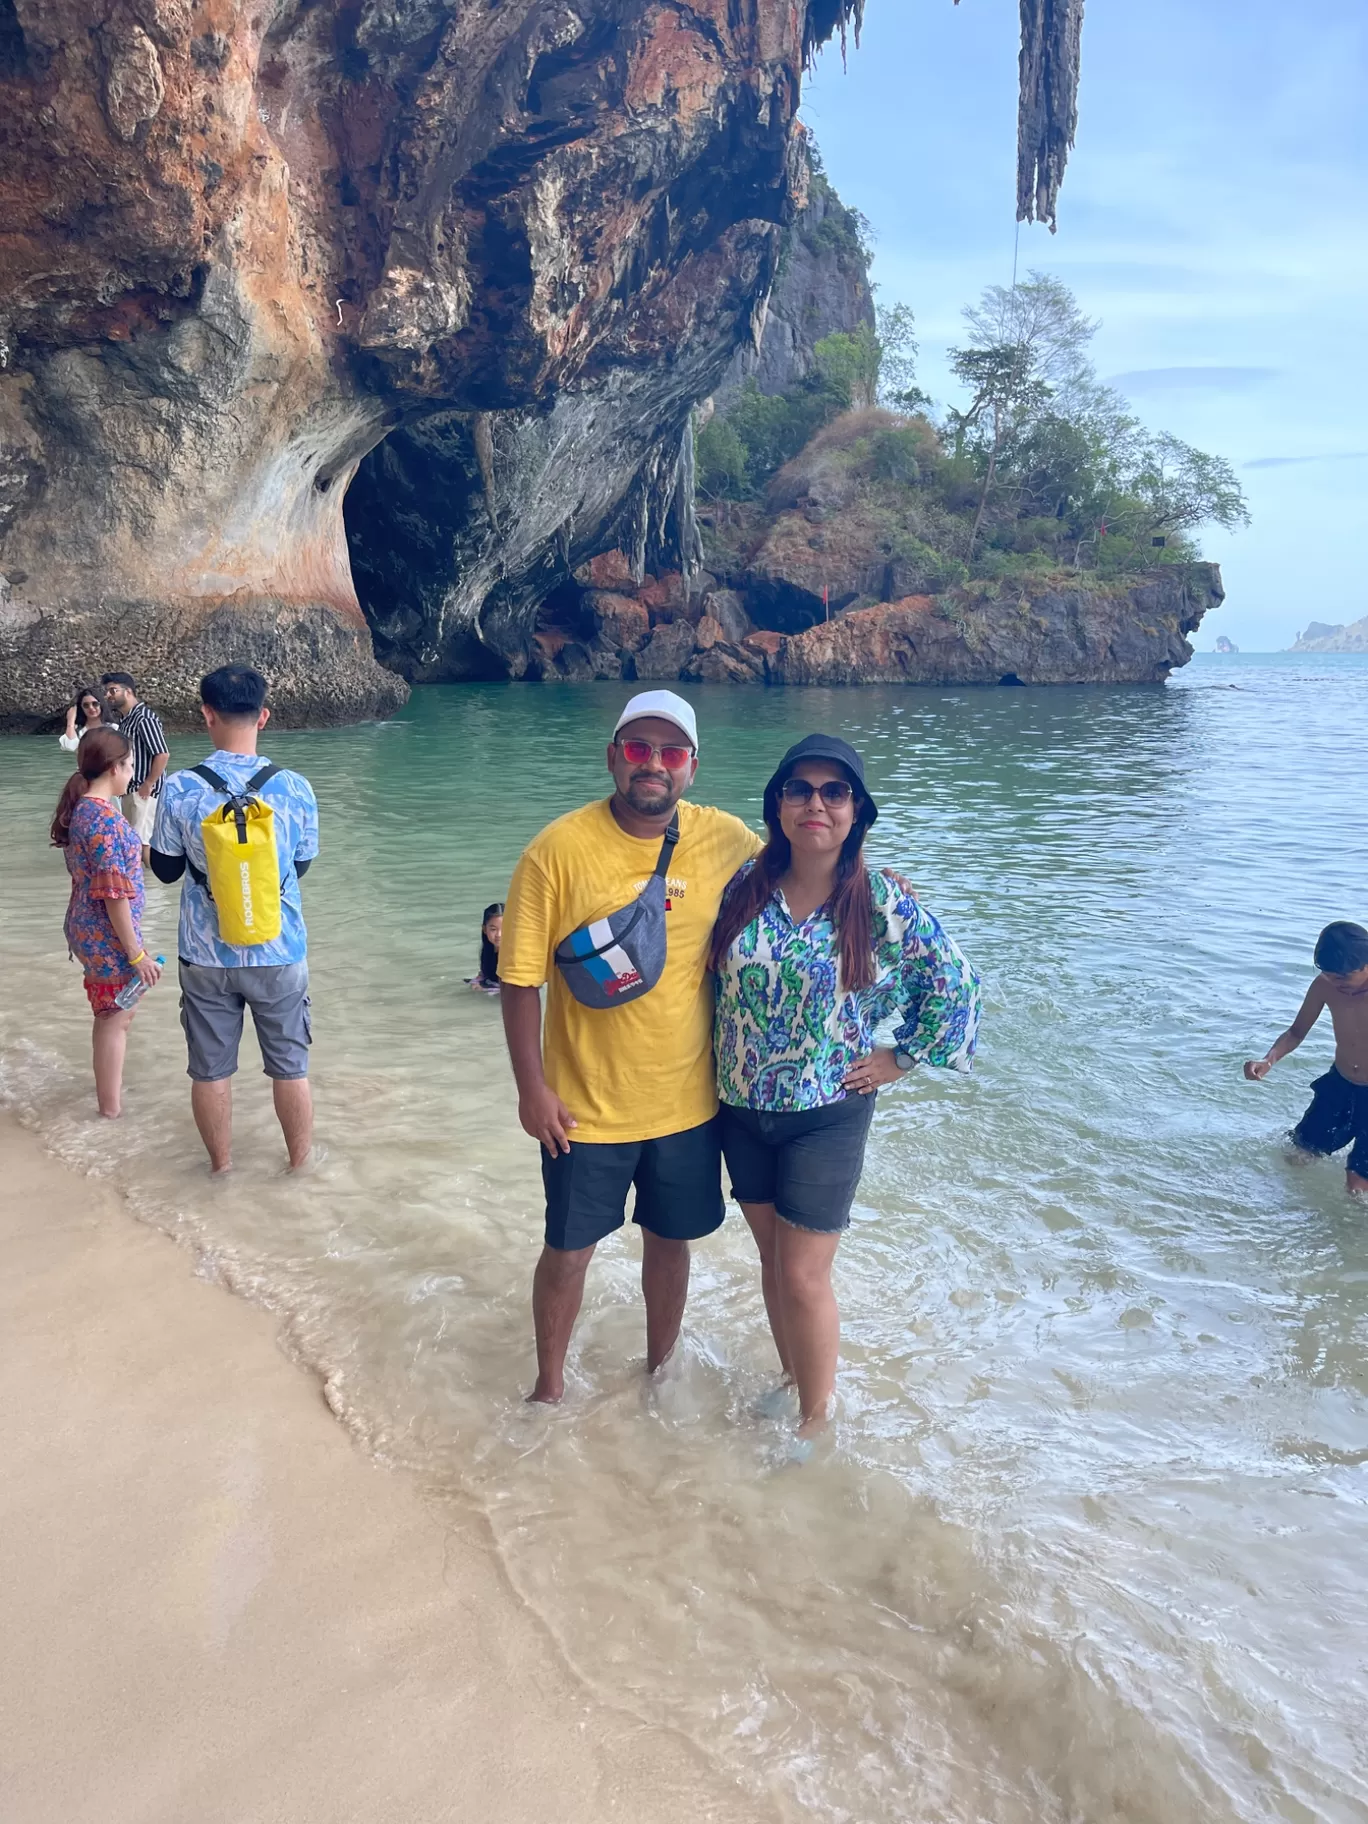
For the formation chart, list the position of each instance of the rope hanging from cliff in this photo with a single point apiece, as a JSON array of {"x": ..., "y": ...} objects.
[{"x": 1047, "y": 118}]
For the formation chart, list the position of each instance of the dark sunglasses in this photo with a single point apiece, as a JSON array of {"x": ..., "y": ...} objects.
[
  {"x": 637, "y": 753},
  {"x": 832, "y": 791}
]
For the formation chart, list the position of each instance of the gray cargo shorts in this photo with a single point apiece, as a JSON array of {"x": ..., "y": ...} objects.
[{"x": 212, "y": 1003}]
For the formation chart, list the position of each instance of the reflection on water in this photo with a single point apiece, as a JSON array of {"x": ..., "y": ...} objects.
[{"x": 1088, "y": 1541}]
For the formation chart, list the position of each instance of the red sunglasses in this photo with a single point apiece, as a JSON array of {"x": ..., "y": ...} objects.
[{"x": 637, "y": 753}]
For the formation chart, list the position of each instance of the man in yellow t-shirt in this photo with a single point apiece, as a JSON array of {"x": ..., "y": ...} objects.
[{"x": 623, "y": 1095}]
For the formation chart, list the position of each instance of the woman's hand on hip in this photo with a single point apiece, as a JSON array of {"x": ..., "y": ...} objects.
[{"x": 871, "y": 1072}]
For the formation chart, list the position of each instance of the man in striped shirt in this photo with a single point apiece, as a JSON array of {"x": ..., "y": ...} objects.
[{"x": 141, "y": 728}]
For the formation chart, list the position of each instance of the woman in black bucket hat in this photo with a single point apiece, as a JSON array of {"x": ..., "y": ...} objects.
[{"x": 812, "y": 953}]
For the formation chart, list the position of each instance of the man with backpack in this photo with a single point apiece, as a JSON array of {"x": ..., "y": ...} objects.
[{"x": 241, "y": 831}]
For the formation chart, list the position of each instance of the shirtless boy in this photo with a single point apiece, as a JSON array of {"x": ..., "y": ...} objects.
[{"x": 1339, "y": 1104}]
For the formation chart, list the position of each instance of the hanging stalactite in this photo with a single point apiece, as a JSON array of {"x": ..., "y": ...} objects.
[
  {"x": 826, "y": 17},
  {"x": 1051, "y": 38}
]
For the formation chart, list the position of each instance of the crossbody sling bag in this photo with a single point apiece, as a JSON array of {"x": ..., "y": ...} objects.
[{"x": 621, "y": 957}]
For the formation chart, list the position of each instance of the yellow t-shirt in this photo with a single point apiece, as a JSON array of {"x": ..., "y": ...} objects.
[{"x": 644, "y": 1069}]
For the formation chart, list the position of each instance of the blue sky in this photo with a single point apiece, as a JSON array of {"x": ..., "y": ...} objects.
[{"x": 1214, "y": 217}]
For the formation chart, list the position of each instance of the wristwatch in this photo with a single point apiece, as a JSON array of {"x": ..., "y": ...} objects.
[{"x": 904, "y": 1060}]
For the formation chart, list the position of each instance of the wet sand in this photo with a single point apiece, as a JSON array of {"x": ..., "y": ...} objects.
[{"x": 214, "y": 1608}]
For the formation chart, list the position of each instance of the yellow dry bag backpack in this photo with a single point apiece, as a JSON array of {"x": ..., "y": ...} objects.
[{"x": 242, "y": 868}]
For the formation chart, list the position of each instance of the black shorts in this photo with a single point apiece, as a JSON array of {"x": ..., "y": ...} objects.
[
  {"x": 1338, "y": 1115},
  {"x": 678, "y": 1181},
  {"x": 807, "y": 1163}
]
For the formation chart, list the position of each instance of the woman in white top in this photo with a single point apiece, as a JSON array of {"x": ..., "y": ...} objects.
[{"x": 85, "y": 712}]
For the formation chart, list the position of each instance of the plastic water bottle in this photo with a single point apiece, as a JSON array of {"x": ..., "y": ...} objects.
[{"x": 132, "y": 992}]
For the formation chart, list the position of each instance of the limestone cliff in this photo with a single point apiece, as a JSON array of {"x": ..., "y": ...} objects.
[
  {"x": 1069, "y": 628},
  {"x": 1326, "y": 636},
  {"x": 822, "y": 287},
  {"x": 245, "y": 244}
]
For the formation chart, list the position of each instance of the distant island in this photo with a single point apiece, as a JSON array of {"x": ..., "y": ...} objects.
[
  {"x": 1225, "y": 644},
  {"x": 1322, "y": 636}
]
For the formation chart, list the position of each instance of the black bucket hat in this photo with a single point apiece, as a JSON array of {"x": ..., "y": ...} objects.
[{"x": 820, "y": 747}]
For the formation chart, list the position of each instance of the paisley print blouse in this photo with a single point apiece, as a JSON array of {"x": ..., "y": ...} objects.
[
  {"x": 104, "y": 860},
  {"x": 786, "y": 1032}
]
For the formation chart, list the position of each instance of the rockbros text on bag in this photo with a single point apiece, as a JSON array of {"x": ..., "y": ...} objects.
[{"x": 242, "y": 867}]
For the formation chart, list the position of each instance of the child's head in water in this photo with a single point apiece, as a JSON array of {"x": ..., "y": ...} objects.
[
  {"x": 491, "y": 936},
  {"x": 1342, "y": 951}
]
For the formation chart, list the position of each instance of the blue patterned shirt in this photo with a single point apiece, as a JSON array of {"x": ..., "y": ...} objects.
[
  {"x": 786, "y": 1033},
  {"x": 186, "y": 800}
]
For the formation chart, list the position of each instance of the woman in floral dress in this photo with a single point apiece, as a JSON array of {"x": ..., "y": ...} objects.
[
  {"x": 104, "y": 860},
  {"x": 814, "y": 954}
]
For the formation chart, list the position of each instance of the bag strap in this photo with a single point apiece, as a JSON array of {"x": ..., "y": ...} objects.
[
  {"x": 254, "y": 784},
  {"x": 236, "y": 800},
  {"x": 666, "y": 847},
  {"x": 257, "y": 780}
]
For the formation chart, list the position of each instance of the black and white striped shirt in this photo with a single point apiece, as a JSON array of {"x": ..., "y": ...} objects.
[{"x": 142, "y": 729}]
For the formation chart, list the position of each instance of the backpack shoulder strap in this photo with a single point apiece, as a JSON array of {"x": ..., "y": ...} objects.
[
  {"x": 257, "y": 780},
  {"x": 210, "y": 777},
  {"x": 667, "y": 847}
]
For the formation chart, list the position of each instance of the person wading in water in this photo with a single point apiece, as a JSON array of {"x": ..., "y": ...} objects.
[
  {"x": 620, "y": 1094},
  {"x": 814, "y": 953}
]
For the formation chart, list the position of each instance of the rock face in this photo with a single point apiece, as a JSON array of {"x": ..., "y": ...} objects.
[
  {"x": 1040, "y": 630},
  {"x": 245, "y": 243},
  {"x": 1323, "y": 636},
  {"x": 822, "y": 287}
]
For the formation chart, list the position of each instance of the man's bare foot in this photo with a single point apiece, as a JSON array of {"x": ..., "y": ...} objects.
[
  {"x": 221, "y": 1171},
  {"x": 548, "y": 1395},
  {"x": 1354, "y": 1184},
  {"x": 110, "y": 1114}
]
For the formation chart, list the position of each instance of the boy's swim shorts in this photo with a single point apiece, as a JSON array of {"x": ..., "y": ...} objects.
[{"x": 1338, "y": 1115}]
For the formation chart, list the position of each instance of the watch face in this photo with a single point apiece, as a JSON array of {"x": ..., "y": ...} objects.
[{"x": 902, "y": 1060}]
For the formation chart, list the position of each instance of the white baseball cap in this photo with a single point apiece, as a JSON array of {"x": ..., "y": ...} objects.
[{"x": 664, "y": 704}]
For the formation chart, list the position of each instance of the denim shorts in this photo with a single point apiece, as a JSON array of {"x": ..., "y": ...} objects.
[
  {"x": 212, "y": 1006},
  {"x": 678, "y": 1180},
  {"x": 806, "y": 1162}
]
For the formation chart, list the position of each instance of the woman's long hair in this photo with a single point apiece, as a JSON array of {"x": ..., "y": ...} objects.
[
  {"x": 851, "y": 902},
  {"x": 489, "y": 956},
  {"x": 86, "y": 690},
  {"x": 99, "y": 750}
]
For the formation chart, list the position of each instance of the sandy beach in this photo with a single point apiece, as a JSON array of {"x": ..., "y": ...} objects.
[{"x": 214, "y": 1608}]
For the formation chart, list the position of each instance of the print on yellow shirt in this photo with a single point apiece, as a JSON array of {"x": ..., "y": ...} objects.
[{"x": 645, "y": 1069}]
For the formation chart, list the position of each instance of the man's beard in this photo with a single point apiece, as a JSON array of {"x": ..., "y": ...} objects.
[{"x": 648, "y": 797}]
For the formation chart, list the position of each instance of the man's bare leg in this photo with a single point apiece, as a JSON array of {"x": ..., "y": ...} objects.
[
  {"x": 557, "y": 1293},
  {"x": 212, "y": 1106},
  {"x": 294, "y": 1110},
  {"x": 665, "y": 1287}
]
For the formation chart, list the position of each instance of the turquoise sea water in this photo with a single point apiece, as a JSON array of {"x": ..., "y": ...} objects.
[{"x": 1089, "y": 1541}]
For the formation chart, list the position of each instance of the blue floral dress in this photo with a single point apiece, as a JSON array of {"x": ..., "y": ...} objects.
[
  {"x": 787, "y": 1031},
  {"x": 104, "y": 860}
]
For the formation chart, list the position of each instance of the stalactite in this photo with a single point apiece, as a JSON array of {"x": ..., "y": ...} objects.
[
  {"x": 1051, "y": 38},
  {"x": 825, "y": 17},
  {"x": 484, "y": 450},
  {"x": 690, "y": 536}
]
